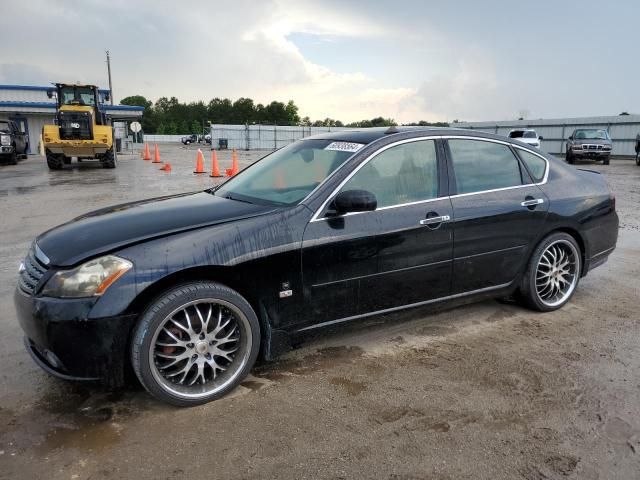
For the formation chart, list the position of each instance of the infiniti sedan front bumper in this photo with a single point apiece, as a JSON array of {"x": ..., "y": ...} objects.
[{"x": 64, "y": 341}]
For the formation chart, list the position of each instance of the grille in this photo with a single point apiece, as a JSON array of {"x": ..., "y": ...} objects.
[
  {"x": 75, "y": 126},
  {"x": 592, "y": 147},
  {"x": 32, "y": 273}
]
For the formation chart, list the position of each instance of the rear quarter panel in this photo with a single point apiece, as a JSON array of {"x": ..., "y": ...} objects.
[{"x": 582, "y": 201}]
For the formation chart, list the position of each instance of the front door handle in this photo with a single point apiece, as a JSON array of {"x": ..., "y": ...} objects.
[
  {"x": 434, "y": 220},
  {"x": 533, "y": 202}
]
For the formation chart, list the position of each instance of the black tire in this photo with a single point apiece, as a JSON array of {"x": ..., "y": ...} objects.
[
  {"x": 638, "y": 159},
  {"x": 528, "y": 286},
  {"x": 13, "y": 158},
  {"x": 150, "y": 327},
  {"x": 605, "y": 161},
  {"x": 55, "y": 161},
  {"x": 109, "y": 159},
  {"x": 569, "y": 157}
]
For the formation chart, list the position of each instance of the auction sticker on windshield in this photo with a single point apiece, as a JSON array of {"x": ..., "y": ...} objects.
[{"x": 344, "y": 146}]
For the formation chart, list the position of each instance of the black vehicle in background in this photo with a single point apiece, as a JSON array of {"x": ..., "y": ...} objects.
[
  {"x": 589, "y": 143},
  {"x": 189, "y": 289},
  {"x": 13, "y": 142}
]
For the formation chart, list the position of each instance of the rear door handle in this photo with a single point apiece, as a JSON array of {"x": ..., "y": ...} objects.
[
  {"x": 532, "y": 202},
  {"x": 434, "y": 220}
]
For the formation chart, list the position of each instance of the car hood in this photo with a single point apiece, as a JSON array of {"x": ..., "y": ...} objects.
[{"x": 114, "y": 227}]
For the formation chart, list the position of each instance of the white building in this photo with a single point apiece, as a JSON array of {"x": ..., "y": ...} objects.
[{"x": 30, "y": 108}]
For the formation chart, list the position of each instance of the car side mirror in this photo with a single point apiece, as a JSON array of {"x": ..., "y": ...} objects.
[
  {"x": 540, "y": 137},
  {"x": 354, "y": 201},
  {"x": 570, "y": 137},
  {"x": 50, "y": 93},
  {"x": 107, "y": 97}
]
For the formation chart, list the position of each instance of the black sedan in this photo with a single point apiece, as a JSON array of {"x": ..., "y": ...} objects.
[{"x": 189, "y": 289}]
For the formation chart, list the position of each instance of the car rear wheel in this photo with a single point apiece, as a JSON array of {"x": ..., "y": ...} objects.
[
  {"x": 552, "y": 274},
  {"x": 195, "y": 343}
]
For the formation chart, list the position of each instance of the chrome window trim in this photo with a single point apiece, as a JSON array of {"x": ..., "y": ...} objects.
[{"x": 317, "y": 218}]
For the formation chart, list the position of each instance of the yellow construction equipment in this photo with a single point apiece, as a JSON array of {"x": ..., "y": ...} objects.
[{"x": 82, "y": 129}]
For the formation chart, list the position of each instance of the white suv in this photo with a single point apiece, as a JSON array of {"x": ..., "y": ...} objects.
[{"x": 526, "y": 135}]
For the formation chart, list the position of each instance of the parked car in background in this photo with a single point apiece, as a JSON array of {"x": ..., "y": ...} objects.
[
  {"x": 189, "y": 289},
  {"x": 589, "y": 143},
  {"x": 13, "y": 142},
  {"x": 193, "y": 138},
  {"x": 187, "y": 139},
  {"x": 526, "y": 135}
]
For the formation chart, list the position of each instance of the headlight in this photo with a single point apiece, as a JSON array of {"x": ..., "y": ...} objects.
[
  {"x": 606, "y": 147},
  {"x": 5, "y": 139},
  {"x": 577, "y": 147},
  {"x": 91, "y": 278}
]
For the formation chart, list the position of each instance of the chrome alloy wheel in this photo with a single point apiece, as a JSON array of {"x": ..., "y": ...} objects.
[
  {"x": 557, "y": 273},
  {"x": 200, "y": 347}
]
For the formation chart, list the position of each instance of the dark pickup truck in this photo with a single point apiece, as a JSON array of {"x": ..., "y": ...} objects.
[{"x": 12, "y": 141}]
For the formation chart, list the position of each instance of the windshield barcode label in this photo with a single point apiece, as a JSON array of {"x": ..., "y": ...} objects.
[{"x": 344, "y": 146}]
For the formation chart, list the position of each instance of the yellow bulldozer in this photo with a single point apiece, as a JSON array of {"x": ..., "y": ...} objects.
[{"x": 82, "y": 129}]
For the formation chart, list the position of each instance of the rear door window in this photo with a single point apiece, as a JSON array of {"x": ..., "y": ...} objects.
[{"x": 480, "y": 165}]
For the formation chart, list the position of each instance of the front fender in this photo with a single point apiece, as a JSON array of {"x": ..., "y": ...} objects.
[{"x": 261, "y": 252}]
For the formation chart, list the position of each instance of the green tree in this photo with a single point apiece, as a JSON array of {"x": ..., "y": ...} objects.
[
  {"x": 291, "y": 111},
  {"x": 172, "y": 129},
  {"x": 196, "y": 127},
  {"x": 161, "y": 130},
  {"x": 136, "y": 101}
]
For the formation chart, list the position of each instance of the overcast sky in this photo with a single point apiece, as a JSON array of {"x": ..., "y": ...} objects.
[{"x": 350, "y": 60}]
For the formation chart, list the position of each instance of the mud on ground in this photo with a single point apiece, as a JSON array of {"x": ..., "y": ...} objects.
[{"x": 485, "y": 390}]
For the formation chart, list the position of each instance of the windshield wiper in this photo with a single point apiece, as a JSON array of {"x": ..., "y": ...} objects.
[{"x": 230, "y": 197}]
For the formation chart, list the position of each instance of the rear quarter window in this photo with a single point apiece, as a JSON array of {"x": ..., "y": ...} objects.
[{"x": 536, "y": 165}]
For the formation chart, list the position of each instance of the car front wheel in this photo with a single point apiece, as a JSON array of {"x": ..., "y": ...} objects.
[
  {"x": 552, "y": 274},
  {"x": 195, "y": 343}
]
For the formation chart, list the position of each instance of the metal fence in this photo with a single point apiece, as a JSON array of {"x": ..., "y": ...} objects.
[
  {"x": 622, "y": 129},
  {"x": 263, "y": 137}
]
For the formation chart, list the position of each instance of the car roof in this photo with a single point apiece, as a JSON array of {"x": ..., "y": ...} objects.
[{"x": 368, "y": 135}]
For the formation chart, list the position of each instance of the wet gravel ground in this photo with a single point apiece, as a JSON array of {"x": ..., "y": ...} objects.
[{"x": 486, "y": 390}]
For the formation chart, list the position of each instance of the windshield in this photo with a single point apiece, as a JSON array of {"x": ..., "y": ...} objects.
[
  {"x": 4, "y": 126},
  {"x": 288, "y": 175},
  {"x": 591, "y": 135},
  {"x": 529, "y": 134},
  {"x": 77, "y": 96}
]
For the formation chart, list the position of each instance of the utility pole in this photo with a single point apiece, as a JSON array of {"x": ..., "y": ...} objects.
[{"x": 109, "y": 73}]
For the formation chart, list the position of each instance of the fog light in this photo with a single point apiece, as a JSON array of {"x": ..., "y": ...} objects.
[{"x": 52, "y": 359}]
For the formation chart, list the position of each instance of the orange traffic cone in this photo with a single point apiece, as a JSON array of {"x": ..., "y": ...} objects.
[
  {"x": 147, "y": 153},
  {"x": 199, "y": 163},
  {"x": 156, "y": 155},
  {"x": 234, "y": 165},
  {"x": 166, "y": 167},
  {"x": 215, "y": 170}
]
